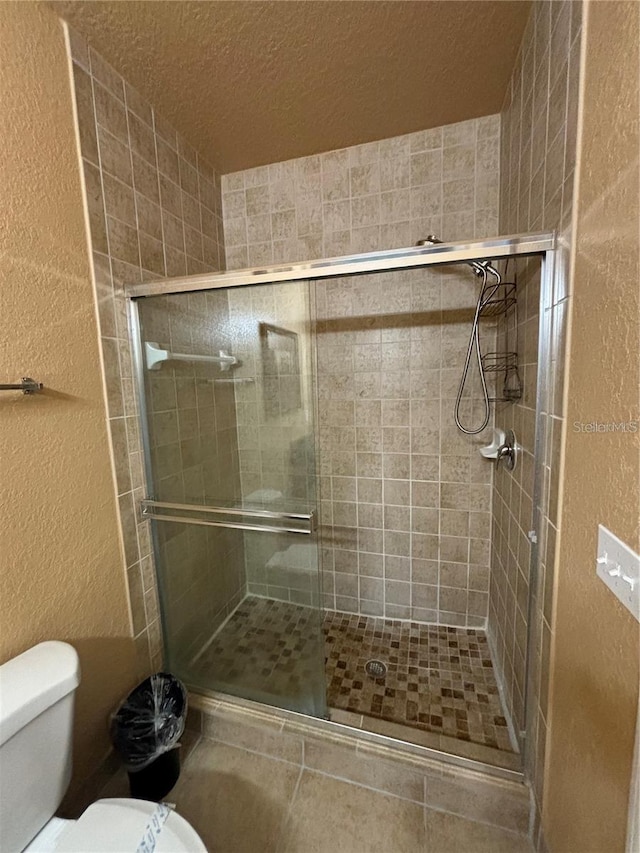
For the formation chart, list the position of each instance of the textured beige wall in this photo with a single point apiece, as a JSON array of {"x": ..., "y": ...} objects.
[
  {"x": 595, "y": 656},
  {"x": 61, "y": 573}
]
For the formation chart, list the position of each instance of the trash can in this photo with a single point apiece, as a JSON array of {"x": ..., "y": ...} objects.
[{"x": 145, "y": 731}]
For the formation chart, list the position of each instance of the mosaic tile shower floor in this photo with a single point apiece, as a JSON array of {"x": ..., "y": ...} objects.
[
  {"x": 273, "y": 647},
  {"x": 438, "y": 679}
]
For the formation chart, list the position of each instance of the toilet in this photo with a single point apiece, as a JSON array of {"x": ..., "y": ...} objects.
[{"x": 36, "y": 724}]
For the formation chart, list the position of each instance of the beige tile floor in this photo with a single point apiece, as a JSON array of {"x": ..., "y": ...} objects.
[{"x": 242, "y": 802}]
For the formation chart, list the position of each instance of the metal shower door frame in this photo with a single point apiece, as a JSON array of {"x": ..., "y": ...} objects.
[
  {"x": 542, "y": 245},
  {"x": 494, "y": 248}
]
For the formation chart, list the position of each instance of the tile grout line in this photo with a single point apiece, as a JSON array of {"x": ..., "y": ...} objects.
[
  {"x": 284, "y": 825},
  {"x": 427, "y": 806}
]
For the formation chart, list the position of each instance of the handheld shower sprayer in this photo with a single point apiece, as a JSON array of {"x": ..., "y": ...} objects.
[{"x": 482, "y": 269}]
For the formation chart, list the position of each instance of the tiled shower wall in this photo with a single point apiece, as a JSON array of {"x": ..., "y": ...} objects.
[
  {"x": 154, "y": 209},
  {"x": 513, "y": 494},
  {"x": 275, "y": 407},
  {"x": 405, "y": 499},
  {"x": 276, "y": 438},
  {"x": 538, "y": 152},
  {"x": 381, "y": 195}
]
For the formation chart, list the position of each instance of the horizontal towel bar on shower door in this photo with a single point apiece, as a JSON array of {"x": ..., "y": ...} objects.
[{"x": 155, "y": 509}]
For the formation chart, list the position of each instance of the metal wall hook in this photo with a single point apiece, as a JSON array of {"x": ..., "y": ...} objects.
[{"x": 27, "y": 386}]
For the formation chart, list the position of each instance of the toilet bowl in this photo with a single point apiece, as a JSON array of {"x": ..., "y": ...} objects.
[{"x": 36, "y": 719}]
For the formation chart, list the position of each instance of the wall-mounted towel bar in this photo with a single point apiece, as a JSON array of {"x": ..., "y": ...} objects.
[
  {"x": 27, "y": 386},
  {"x": 155, "y": 355}
]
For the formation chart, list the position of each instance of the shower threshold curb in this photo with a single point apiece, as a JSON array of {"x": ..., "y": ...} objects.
[{"x": 388, "y": 748}]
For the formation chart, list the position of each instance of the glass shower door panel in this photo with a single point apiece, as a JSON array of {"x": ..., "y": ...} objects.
[
  {"x": 229, "y": 397},
  {"x": 221, "y": 637}
]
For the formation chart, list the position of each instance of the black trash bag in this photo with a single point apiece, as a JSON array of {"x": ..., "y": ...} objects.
[{"x": 150, "y": 721}]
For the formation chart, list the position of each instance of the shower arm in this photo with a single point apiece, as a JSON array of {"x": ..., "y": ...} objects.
[{"x": 480, "y": 268}]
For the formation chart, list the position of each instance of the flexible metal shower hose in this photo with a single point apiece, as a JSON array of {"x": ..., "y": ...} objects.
[{"x": 486, "y": 293}]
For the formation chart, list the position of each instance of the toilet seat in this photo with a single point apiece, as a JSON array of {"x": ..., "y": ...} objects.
[
  {"x": 117, "y": 825},
  {"x": 46, "y": 840}
]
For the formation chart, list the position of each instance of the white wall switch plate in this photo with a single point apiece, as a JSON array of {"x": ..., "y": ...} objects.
[{"x": 619, "y": 567}]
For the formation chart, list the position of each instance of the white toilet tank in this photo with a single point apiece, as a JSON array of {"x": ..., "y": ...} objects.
[{"x": 36, "y": 724}]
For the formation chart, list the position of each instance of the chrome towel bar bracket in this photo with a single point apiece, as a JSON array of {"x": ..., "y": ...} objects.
[{"x": 27, "y": 386}]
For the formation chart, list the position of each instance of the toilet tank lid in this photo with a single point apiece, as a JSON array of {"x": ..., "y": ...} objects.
[{"x": 34, "y": 681}]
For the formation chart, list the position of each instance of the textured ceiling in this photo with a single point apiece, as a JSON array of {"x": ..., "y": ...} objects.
[{"x": 249, "y": 83}]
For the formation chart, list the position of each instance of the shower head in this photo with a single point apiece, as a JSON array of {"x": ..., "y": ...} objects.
[{"x": 480, "y": 268}]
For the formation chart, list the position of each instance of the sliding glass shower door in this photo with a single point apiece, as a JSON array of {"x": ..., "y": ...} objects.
[{"x": 228, "y": 409}]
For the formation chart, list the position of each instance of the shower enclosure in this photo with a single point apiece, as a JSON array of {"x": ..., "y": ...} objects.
[{"x": 322, "y": 531}]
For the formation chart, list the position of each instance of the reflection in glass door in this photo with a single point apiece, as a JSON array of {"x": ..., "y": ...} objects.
[{"x": 228, "y": 406}]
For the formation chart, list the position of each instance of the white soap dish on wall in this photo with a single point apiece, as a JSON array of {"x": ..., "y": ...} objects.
[{"x": 490, "y": 451}]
